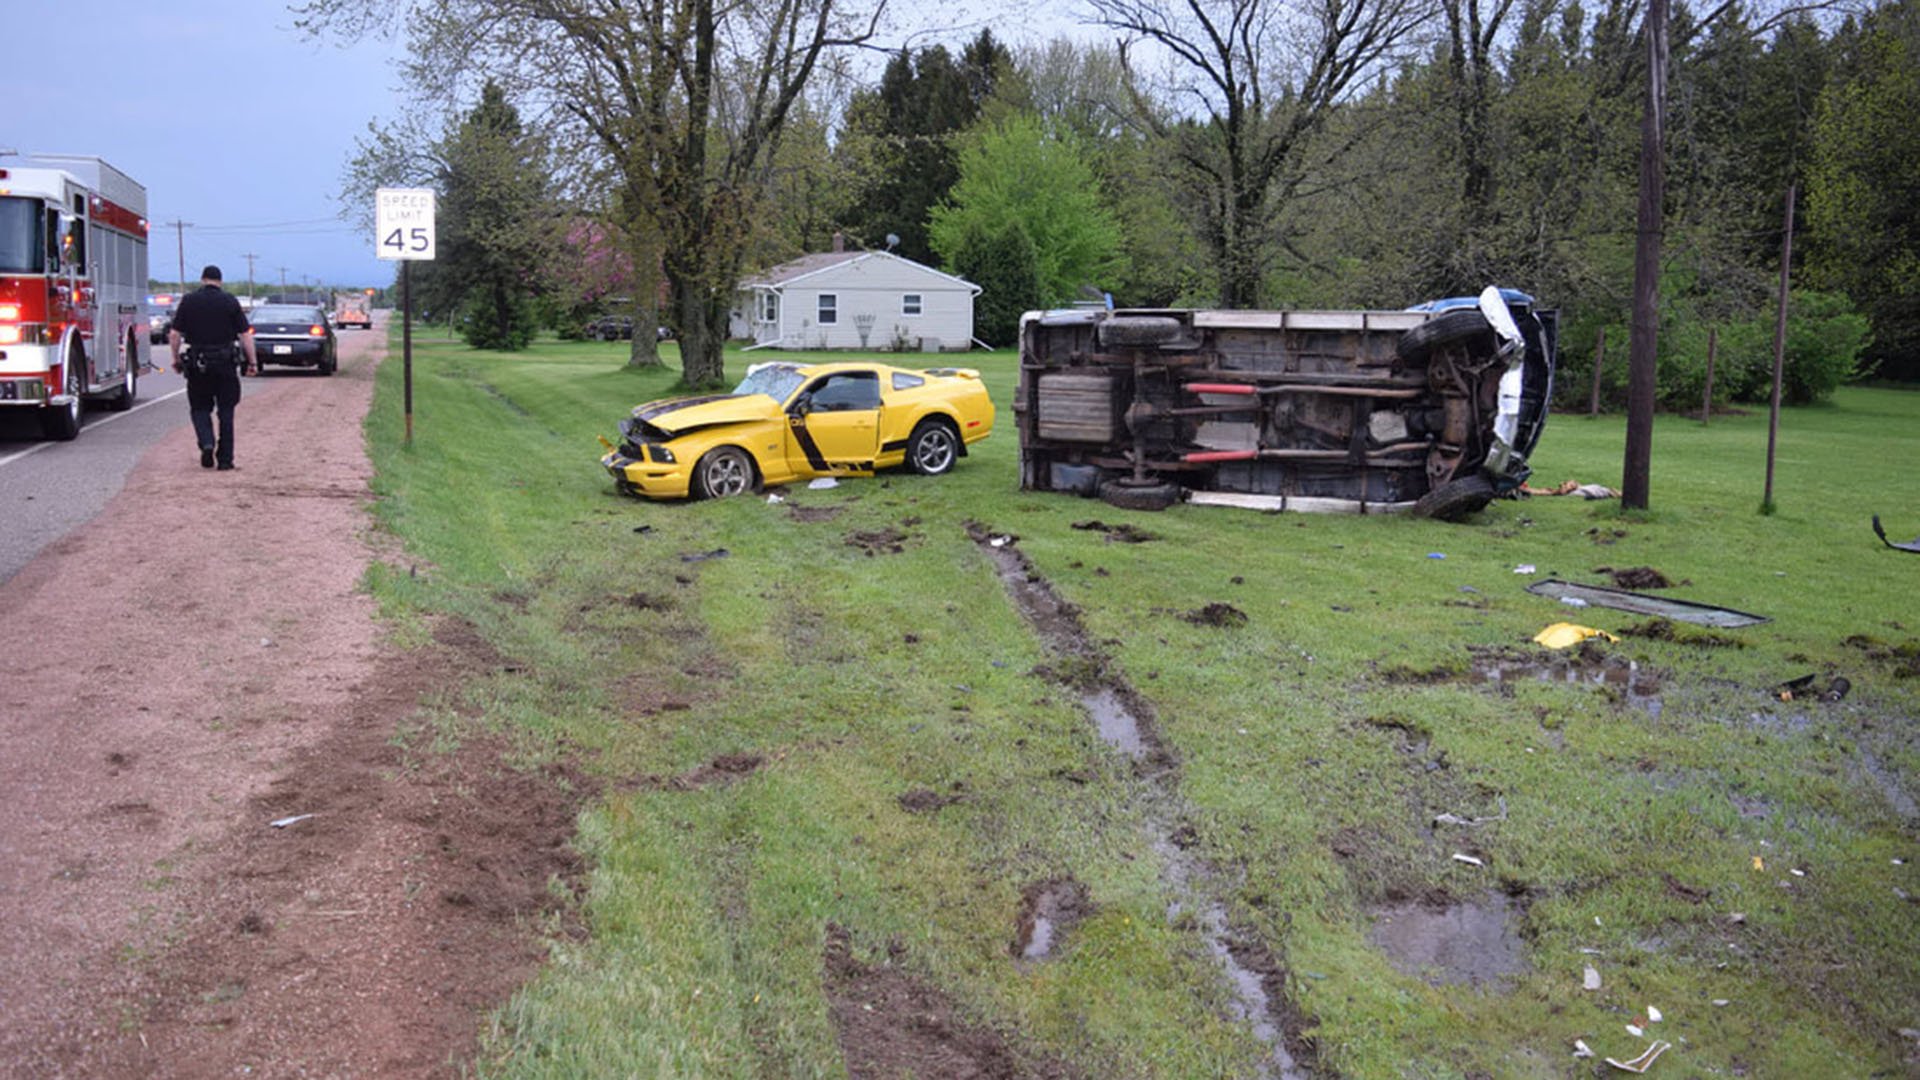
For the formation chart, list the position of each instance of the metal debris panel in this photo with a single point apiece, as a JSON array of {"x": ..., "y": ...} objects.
[{"x": 1642, "y": 604}]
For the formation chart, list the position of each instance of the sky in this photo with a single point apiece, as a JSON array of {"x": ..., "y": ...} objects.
[
  {"x": 242, "y": 126},
  {"x": 232, "y": 119}
]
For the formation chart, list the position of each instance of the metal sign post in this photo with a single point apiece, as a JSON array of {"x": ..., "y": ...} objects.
[{"x": 403, "y": 230}]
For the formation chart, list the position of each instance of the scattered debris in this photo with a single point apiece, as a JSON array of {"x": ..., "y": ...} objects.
[
  {"x": 1526, "y": 568},
  {"x": 1573, "y": 601},
  {"x": 1473, "y": 822},
  {"x": 1436, "y": 554},
  {"x": 1802, "y": 689},
  {"x": 1574, "y": 487},
  {"x": 822, "y": 483},
  {"x": 1565, "y": 635},
  {"x": 1653, "y": 1015},
  {"x": 1640, "y": 604},
  {"x": 1225, "y": 616},
  {"x": 1636, "y": 577},
  {"x": 703, "y": 556},
  {"x": 1581, "y": 1049},
  {"x": 286, "y": 821},
  {"x": 643, "y": 529},
  {"x": 1645, "y": 1060},
  {"x": 1590, "y": 979},
  {"x": 776, "y": 500},
  {"x": 1911, "y": 545},
  {"x": 1721, "y": 1003},
  {"x": 1468, "y": 859}
]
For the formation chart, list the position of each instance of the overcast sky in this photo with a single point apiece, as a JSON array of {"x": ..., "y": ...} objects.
[{"x": 242, "y": 126}]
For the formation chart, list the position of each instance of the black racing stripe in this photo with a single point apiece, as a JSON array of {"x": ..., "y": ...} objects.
[
  {"x": 666, "y": 407},
  {"x": 807, "y": 445},
  {"x": 890, "y": 447}
]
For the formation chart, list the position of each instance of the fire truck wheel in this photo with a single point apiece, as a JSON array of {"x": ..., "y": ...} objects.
[
  {"x": 1129, "y": 496},
  {"x": 61, "y": 423},
  {"x": 1467, "y": 327},
  {"x": 1138, "y": 331},
  {"x": 129, "y": 380},
  {"x": 1457, "y": 498}
]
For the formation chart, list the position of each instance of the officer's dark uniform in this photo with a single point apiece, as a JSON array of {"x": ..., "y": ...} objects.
[{"x": 210, "y": 322}]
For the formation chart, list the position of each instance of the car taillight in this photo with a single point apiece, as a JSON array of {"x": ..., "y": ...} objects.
[{"x": 316, "y": 331}]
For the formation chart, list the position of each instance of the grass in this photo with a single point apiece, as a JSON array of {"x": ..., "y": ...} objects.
[{"x": 1316, "y": 744}]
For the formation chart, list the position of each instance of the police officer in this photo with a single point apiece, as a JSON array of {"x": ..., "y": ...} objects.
[{"x": 219, "y": 345}]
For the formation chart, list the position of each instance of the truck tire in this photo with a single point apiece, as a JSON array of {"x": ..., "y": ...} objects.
[
  {"x": 1138, "y": 331},
  {"x": 1130, "y": 496},
  {"x": 1469, "y": 328},
  {"x": 1455, "y": 499},
  {"x": 62, "y": 423}
]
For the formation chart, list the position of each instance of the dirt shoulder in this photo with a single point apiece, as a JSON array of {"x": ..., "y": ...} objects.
[{"x": 190, "y": 666}]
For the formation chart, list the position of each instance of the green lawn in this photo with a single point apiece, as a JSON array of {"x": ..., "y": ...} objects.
[{"x": 1315, "y": 745}]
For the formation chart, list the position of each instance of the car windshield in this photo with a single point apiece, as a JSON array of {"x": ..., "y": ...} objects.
[
  {"x": 20, "y": 249},
  {"x": 273, "y": 314},
  {"x": 777, "y": 381}
]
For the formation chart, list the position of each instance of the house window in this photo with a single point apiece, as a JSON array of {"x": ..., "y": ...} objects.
[
  {"x": 910, "y": 303},
  {"x": 769, "y": 307},
  {"x": 829, "y": 309}
]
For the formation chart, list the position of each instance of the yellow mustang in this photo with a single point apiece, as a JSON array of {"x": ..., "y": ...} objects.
[{"x": 788, "y": 422}]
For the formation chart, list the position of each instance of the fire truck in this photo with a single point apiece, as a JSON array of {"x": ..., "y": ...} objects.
[{"x": 73, "y": 281}]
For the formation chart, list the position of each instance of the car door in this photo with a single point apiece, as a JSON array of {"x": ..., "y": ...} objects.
[{"x": 835, "y": 422}]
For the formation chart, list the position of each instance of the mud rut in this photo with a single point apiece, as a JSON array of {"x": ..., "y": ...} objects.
[{"x": 1255, "y": 976}]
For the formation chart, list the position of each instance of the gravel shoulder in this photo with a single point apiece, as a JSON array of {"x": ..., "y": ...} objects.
[{"x": 193, "y": 664}]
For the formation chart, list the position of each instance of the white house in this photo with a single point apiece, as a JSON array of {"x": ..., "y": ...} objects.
[{"x": 869, "y": 300}]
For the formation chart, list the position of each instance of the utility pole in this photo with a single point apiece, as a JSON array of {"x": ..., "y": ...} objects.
[
  {"x": 180, "y": 242},
  {"x": 1779, "y": 346},
  {"x": 250, "y": 256},
  {"x": 1643, "y": 348},
  {"x": 283, "y": 284}
]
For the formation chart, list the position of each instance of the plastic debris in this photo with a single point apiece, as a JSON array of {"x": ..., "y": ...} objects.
[
  {"x": 1653, "y": 1015},
  {"x": 1472, "y": 822},
  {"x": 1436, "y": 554},
  {"x": 1581, "y": 1049},
  {"x": 822, "y": 483},
  {"x": 775, "y": 500},
  {"x": 1565, "y": 635},
  {"x": 1636, "y": 1031},
  {"x": 1526, "y": 568},
  {"x": 286, "y": 821},
  {"x": 1759, "y": 863},
  {"x": 1573, "y": 601},
  {"x": 1797, "y": 872},
  {"x": 1468, "y": 859},
  {"x": 1590, "y": 979},
  {"x": 1721, "y": 1003},
  {"x": 1645, "y": 1060}
]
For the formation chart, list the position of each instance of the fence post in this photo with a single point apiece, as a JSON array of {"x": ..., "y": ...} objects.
[
  {"x": 1713, "y": 346},
  {"x": 1599, "y": 361}
]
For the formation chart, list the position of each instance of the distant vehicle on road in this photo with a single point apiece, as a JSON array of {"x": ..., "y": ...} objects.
[
  {"x": 295, "y": 335},
  {"x": 159, "y": 321},
  {"x": 610, "y": 328},
  {"x": 350, "y": 309}
]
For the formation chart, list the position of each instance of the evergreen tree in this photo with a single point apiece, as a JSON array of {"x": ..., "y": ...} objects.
[{"x": 493, "y": 220}]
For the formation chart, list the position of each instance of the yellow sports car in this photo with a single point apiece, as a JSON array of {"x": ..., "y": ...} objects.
[{"x": 788, "y": 422}]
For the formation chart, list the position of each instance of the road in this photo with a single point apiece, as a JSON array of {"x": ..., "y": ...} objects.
[{"x": 51, "y": 488}]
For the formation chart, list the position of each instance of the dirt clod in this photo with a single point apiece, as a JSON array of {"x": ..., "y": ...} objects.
[
  {"x": 887, "y": 541},
  {"x": 1124, "y": 533},
  {"x": 925, "y": 800},
  {"x": 1636, "y": 577},
  {"x": 1217, "y": 614}
]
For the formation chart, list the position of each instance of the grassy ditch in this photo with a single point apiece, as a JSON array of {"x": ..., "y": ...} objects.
[{"x": 842, "y": 763}]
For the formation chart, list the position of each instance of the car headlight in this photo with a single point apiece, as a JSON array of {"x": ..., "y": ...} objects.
[{"x": 660, "y": 454}]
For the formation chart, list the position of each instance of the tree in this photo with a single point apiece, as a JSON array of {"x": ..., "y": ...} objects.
[
  {"x": 493, "y": 218},
  {"x": 681, "y": 104},
  {"x": 1865, "y": 183},
  {"x": 1006, "y": 267},
  {"x": 1261, "y": 77},
  {"x": 1016, "y": 177}
]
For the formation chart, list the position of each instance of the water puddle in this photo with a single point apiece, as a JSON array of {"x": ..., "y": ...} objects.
[
  {"x": 1636, "y": 685},
  {"x": 1889, "y": 786},
  {"x": 1473, "y": 944},
  {"x": 1049, "y": 910},
  {"x": 1255, "y": 978}
]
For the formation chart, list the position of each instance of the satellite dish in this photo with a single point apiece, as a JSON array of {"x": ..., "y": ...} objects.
[{"x": 893, "y": 241}]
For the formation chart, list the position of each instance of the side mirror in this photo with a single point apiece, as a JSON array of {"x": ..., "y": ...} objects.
[
  {"x": 802, "y": 405},
  {"x": 68, "y": 237}
]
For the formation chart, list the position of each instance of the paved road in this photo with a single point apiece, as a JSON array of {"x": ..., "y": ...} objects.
[{"x": 47, "y": 489}]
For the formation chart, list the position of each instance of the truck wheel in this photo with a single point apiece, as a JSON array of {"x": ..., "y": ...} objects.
[
  {"x": 932, "y": 448},
  {"x": 129, "y": 380},
  {"x": 62, "y": 423},
  {"x": 1130, "y": 496},
  {"x": 1455, "y": 499},
  {"x": 1453, "y": 328},
  {"x": 1138, "y": 331}
]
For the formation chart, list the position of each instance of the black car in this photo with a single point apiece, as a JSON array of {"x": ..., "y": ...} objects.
[
  {"x": 610, "y": 328},
  {"x": 159, "y": 321},
  {"x": 296, "y": 335}
]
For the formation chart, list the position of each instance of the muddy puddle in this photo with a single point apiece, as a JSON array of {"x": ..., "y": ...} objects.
[
  {"x": 1883, "y": 778},
  {"x": 1254, "y": 976},
  {"x": 1049, "y": 910},
  {"x": 1451, "y": 944},
  {"x": 1636, "y": 685}
]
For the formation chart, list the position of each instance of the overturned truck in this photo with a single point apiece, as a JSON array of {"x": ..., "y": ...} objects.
[{"x": 1433, "y": 409}]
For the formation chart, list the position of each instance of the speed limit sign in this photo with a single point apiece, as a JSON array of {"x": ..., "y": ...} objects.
[{"x": 403, "y": 223}]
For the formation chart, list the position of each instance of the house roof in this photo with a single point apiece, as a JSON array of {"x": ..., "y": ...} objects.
[{"x": 778, "y": 277}]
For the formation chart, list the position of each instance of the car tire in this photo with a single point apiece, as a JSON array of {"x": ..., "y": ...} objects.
[
  {"x": 1138, "y": 331},
  {"x": 933, "y": 448},
  {"x": 329, "y": 365},
  {"x": 1469, "y": 328},
  {"x": 1128, "y": 495},
  {"x": 1457, "y": 498},
  {"x": 129, "y": 380},
  {"x": 723, "y": 472}
]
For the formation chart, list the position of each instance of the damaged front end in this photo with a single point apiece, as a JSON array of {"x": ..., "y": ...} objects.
[{"x": 1433, "y": 409}]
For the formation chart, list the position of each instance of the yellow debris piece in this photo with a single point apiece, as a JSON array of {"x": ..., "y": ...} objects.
[{"x": 1564, "y": 634}]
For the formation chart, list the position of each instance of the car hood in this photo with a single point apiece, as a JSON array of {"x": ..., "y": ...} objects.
[{"x": 677, "y": 415}]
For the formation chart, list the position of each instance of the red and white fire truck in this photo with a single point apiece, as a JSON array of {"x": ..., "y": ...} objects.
[{"x": 73, "y": 284}]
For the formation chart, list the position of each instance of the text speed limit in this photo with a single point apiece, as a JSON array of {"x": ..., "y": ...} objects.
[{"x": 403, "y": 223}]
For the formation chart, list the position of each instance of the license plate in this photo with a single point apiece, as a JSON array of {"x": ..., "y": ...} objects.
[{"x": 282, "y": 350}]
